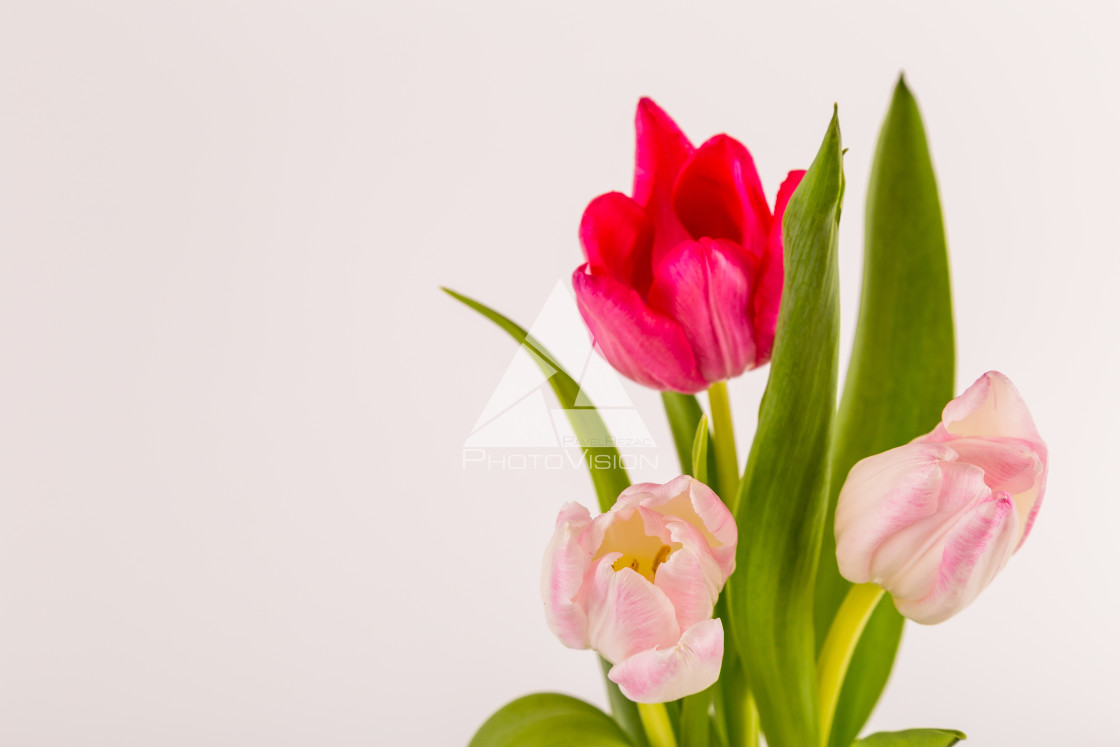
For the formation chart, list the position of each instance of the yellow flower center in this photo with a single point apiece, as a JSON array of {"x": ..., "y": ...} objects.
[{"x": 646, "y": 567}]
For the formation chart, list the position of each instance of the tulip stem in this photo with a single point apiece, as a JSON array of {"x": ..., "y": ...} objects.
[
  {"x": 836, "y": 654},
  {"x": 655, "y": 720},
  {"x": 750, "y": 721},
  {"x": 727, "y": 460}
]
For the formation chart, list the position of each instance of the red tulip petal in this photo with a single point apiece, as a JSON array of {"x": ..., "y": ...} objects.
[
  {"x": 641, "y": 343},
  {"x": 718, "y": 195},
  {"x": 768, "y": 294},
  {"x": 617, "y": 237},
  {"x": 706, "y": 287},
  {"x": 661, "y": 154}
]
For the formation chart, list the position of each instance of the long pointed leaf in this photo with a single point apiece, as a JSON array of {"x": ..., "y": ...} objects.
[
  {"x": 781, "y": 512},
  {"x": 700, "y": 451},
  {"x": 607, "y": 472},
  {"x": 901, "y": 371}
]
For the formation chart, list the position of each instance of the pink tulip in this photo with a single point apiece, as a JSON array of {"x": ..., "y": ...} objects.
[
  {"x": 935, "y": 520},
  {"x": 682, "y": 282},
  {"x": 638, "y": 584}
]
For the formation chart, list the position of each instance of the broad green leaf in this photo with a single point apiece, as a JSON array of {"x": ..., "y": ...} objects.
[
  {"x": 550, "y": 720},
  {"x": 912, "y": 738},
  {"x": 700, "y": 451},
  {"x": 607, "y": 472},
  {"x": 901, "y": 371},
  {"x": 781, "y": 510}
]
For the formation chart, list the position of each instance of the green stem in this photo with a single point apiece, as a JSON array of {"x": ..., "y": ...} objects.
[
  {"x": 750, "y": 722},
  {"x": 727, "y": 461},
  {"x": 655, "y": 720},
  {"x": 836, "y": 654}
]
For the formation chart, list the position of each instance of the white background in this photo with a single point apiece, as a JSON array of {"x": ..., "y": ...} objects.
[{"x": 232, "y": 400}]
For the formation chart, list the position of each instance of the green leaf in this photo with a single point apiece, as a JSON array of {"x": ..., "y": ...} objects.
[
  {"x": 700, "y": 451},
  {"x": 550, "y": 720},
  {"x": 696, "y": 725},
  {"x": 912, "y": 738},
  {"x": 684, "y": 413},
  {"x": 604, "y": 463},
  {"x": 781, "y": 511},
  {"x": 901, "y": 371},
  {"x": 624, "y": 710}
]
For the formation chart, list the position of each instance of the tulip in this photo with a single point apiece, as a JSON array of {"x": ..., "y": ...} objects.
[
  {"x": 682, "y": 281},
  {"x": 639, "y": 583},
  {"x": 934, "y": 521}
]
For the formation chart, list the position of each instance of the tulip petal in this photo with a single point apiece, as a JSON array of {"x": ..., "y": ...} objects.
[
  {"x": 694, "y": 502},
  {"x": 640, "y": 343},
  {"x": 565, "y": 565},
  {"x": 883, "y": 494},
  {"x": 771, "y": 275},
  {"x": 617, "y": 238},
  {"x": 625, "y": 612},
  {"x": 706, "y": 287},
  {"x": 659, "y": 676},
  {"x": 993, "y": 408},
  {"x": 977, "y": 549},
  {"x": 907, "y": 563},
  {"x": 662, "y": 151},
  {"x": 718, "y": 195},
  {"x": 691, "y": 577}
]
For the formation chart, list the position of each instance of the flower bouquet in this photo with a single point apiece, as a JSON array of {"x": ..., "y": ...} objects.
[{"x": 731, "y": 602}]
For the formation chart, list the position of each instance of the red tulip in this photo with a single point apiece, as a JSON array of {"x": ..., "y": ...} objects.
[{"x": 682, "y": 281}]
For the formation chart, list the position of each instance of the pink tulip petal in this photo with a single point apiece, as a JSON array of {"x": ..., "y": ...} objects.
[
  {"x": 662, "y": 675},
  {"x": 565, "y": 564},
  {"x": 662, "y": 152},
  {"x": 691, "y": 577},
  {"x": 625, "y": 612},
  {"x": 642, "y": 344},
  {"x": 976, "y": 550},
  {"x": 907, "y": 562},
  {"x": 705, "y": 287},
  {"x": 993, "y": 408},
  {"x": 883, "y": 494},
  {"x": 768, "y": 294},
  {"x": 696, "y": 503},
  {"x": 718, "y": 195},
  {"x": 617, "y": 239}
]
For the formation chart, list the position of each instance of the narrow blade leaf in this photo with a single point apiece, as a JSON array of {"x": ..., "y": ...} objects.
[
  {"x": 607, "y": 472},
  {"x": 549, "y": 720},
  {"x": 782, "y": 502},
  {"x": 684, "y": 413},
  {"x": 912, "y": 738},
  {"x": 901, "y": 371},
  {"x": 700, "y": 451}
]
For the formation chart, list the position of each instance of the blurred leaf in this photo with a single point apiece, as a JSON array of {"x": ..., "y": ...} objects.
[
  {"x": 782, "y": 502},
  {"x": 624, "y": 710},
  {"x": 607, "y": 472},
  {"x": 700, "y": 451},
  {"x": 912, "y": 738},
  {"x": 901, "y": 371},
  {"x": 696, "y": 724},
  {"x": 550, "y": 720}
]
